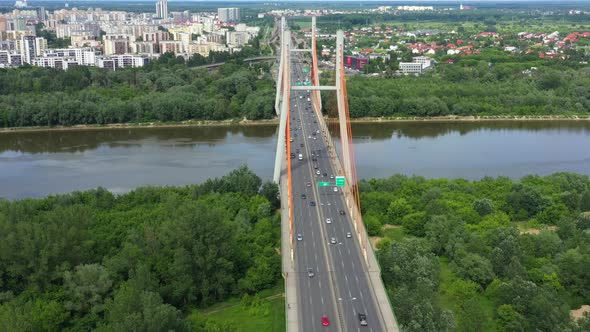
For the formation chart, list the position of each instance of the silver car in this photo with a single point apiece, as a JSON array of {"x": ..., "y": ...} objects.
[{"x": 333, "y": 240}]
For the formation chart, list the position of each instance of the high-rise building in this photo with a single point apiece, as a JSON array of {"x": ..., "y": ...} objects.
[
  {"x": 41, "y": 13},
  {"x": 162, "y": 9},
  {"x": 16, "y": 24},
  {"x": 2, "y": 24},
  {"x": 28, "y": 48},
  {"x": 228, "y": 15},
  {"x": 40, "y": 46}
]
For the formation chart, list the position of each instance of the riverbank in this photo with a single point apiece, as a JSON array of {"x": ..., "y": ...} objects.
[
  {"x": 475, "y": 118},
  {"x": 183, "y": 124},
  {"x": 233, "y": 122}
]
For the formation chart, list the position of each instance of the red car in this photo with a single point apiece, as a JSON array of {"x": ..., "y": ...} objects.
[{"x": 325, "y": 320}]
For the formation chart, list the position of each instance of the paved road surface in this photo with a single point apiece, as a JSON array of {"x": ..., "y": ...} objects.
[{"x": 340, "y": 287}]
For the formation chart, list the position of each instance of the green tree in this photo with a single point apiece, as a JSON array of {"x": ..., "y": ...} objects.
[
  {"x": 373, "y": 225},
  {"x": 483, "y": 206},
  {"x": 585, "y": 201},
  {"x": 133, "y": 309},
  {"x": 397, "y": 210},
  {"x": 510, "y": 320},
  {"x": 87, "y": 288},
  {"x": 413, "y": 223},
  {"x": 475, "y": 268},
  {"x": 270, "y": 190}
]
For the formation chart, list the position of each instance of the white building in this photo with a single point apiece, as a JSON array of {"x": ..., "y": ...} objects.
[
  {"x": 419, "y": 65},
  {"x": 84, "y": 56},
  {"x": 162, "y": 9},
  {"x": 55, "y": 62},
  {"x": 122, "y": 61},
  {"x": 29, "y": 48},
  {"x": 10, "y": 59},
  {"x": 208, "y": 23},
  {"x": 237, "y": 38},
  {"x": 415, "y": 8},
  {"x": 228, "y": 15}
]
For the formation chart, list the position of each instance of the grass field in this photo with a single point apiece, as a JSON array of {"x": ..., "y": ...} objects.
[{"x": 267, "y": 315}]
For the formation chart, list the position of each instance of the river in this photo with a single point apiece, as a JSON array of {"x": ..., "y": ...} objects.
[{"x": 36, "y": 164}]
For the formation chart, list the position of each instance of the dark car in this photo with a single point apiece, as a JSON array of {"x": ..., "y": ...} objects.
[
  {"x": 325, "y": 174},
  {"x": 303, "y": 196},
  {"x": 301, "y": 145},
  {"x": 363, "y": 319},
  {"x": 292, "y": 156},
  {"x": 311, "y": 203},
  {"x": 342, "y": 212}
]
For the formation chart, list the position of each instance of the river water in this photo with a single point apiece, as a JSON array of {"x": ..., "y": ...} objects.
[{"x": 36, "y": 164}]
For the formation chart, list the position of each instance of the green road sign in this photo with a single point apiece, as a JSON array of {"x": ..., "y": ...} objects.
[
  {"x": 305, "y": 70},
  {"x": 340, "y": 181},
  {"x": 323, "y": 184},
  {"x": 298, "y": 83},
  {"x": 307, "y": 83}
]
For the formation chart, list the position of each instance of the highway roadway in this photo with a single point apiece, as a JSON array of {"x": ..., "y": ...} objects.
[{"x": 340, "y": 287}]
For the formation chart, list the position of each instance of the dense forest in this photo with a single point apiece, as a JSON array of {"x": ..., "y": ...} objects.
[
  {"x": 489, "y": 84},
  {"x": 171, "y": 89},
  {"x": 456, "y": 255},
  {"x": 139, "y": 261},
  {"x": 488, "y": 255},
  {"x": 168, "y": 89}
]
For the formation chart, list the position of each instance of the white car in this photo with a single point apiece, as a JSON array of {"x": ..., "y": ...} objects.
[
  {"x": 317, "y": 172},
  {"x": 335, "y": 189},
  {"x": 299, "y": 237},
  {"x": 348, "y": 235},
  {"x": 328, "y": 221},
  {"x": 333, "y": 240}
]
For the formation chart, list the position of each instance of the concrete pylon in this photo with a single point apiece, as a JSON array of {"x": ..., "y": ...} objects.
[
  {"x": 315, "y": 75},
  {"x": 284, "y": 104},
  {"x": 341, "y": 100},
  {"x": 280, "y": 73}
]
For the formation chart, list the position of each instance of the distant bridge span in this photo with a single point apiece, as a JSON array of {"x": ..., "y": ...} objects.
[{"x": 249, "y": 60}]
